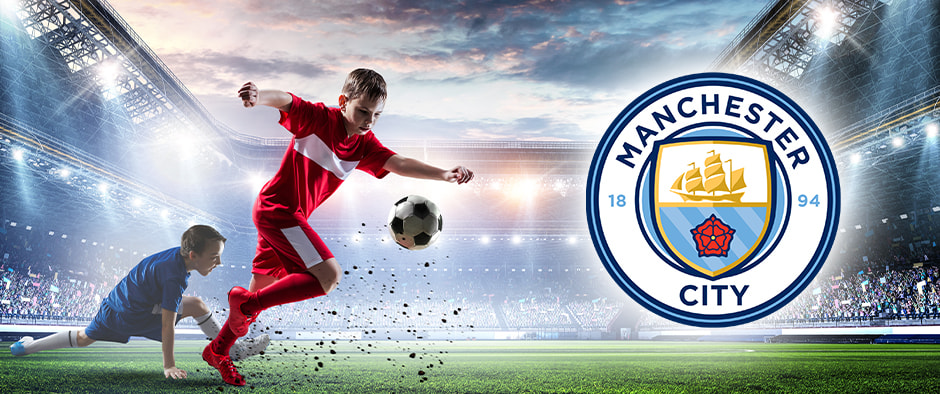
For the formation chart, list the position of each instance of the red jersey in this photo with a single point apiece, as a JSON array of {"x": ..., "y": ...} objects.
[{"x": 318, "y": 160}]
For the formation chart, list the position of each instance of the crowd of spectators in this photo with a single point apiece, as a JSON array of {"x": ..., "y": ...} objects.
[
  {"x": 884, "y": 271},
  {"x": 50, "y": 279},
  {"x": 887, "y": 270}
]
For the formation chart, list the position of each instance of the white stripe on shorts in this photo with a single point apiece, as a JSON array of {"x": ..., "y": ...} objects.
[{"x": 302, "y": 245}]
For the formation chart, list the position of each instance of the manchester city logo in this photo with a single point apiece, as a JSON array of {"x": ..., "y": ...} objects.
[{"x": 713, "y": 200}]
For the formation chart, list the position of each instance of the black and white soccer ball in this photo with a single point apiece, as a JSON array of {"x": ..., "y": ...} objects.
[{"x": 415, "y": 222}]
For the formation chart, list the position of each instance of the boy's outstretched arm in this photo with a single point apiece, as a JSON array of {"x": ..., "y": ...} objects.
[
  {"x": 406, "y": 166},
  {"x": 251, "y": 97},
  {"x": 168, "y": 334}
]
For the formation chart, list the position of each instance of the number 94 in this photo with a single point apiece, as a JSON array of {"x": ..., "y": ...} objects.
[{"x": 804, "y": 200}]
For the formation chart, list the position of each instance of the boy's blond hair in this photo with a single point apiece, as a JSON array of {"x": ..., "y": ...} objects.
[{"x": 364, "y": 82}]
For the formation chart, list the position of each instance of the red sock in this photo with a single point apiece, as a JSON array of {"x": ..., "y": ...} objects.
[
  {"x": 222, "y": 343},
  {"x": 291, "y": 288}
]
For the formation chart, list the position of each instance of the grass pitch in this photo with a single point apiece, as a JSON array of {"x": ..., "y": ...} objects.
[{"x": 488, "y": 367}]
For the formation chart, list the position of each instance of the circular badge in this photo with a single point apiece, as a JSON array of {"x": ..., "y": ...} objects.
[{"x": 713, "y": 200}]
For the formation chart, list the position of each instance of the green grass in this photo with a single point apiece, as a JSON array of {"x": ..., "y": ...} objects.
[{"x": 490, "y": 367}]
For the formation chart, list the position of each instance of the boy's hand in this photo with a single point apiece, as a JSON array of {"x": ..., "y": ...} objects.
[
  {"x": 249, "y": 95},
  {"x": 174, "y": 373},
  {"x": 459, "y": 174}
]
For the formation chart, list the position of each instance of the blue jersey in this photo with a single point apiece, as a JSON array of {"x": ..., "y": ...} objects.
[{"x": 134, "y": 306}]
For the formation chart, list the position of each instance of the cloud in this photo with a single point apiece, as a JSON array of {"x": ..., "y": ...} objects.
[
  {"x": 215, "y": 70},
  {"x": 514, "y": 69},
  {"x": 394, "y": 127},
  {"x": 577, "y": 44}
]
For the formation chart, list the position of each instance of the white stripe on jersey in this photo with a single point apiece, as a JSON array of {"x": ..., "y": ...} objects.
[
  {"x": 313, "y": 148},
  {"x": 307, "y": 252}
]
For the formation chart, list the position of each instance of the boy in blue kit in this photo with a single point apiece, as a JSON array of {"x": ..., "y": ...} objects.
[{"x": 149, "y": 301}]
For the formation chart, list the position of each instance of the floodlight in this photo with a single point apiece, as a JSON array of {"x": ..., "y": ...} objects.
[
  {"x": 897, "y": 142},
  {"x": 109, "y": 71},
  {"x": 18, "y": 154},
  {"x": 931, "y": 130},
  {"x": 826, "y": 20},
  {"x": 525, "y": 189},
  {"x": 8, "y": 8},
  {"x": 257, "y": 181},
  {"x": 496, "y": 184}
]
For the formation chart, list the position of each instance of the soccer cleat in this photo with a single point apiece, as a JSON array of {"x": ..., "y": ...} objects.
[
  {"x": 237, "y": 320},
  {"x": 248, "y": 347},
  {"x": 224, "y": 364},
  {"x": 19, "y": 347}
]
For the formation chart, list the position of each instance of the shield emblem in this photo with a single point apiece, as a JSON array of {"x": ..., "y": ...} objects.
[{"x": 712, "y": 202}]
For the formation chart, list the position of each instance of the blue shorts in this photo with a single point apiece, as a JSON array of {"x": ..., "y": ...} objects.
[{"x": 109, "y": 325}]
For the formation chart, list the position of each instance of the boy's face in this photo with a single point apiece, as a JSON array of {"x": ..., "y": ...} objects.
[
  {"x": 210, "y": 257},
  {"x": 360, "y": 114}
]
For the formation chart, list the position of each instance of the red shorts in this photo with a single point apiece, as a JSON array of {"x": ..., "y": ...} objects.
[{"x": 286, "y": 247}]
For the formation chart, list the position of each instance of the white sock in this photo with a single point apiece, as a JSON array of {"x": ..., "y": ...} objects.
[
  {"x": 208, "y": 325},
  {"x": 59, "y": 340}
]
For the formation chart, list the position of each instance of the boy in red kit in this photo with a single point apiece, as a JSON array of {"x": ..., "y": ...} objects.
[{"x": 291, "y": 262}]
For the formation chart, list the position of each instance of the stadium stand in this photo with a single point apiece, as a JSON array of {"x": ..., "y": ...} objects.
[{"x": 882, "y": 273}]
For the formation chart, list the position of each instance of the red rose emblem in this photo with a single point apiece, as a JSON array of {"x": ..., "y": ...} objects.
[{"x": 712, "y": 237}]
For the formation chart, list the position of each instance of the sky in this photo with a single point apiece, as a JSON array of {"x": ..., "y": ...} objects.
[{"x": 499, "y": 70}]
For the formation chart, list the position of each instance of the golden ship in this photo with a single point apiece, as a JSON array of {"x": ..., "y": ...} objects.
[{"x": 710, "y": 185}]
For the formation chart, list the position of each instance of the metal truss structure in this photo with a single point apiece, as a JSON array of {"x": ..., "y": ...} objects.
[
  {"x": 97, "y": 45},
  {"x": 778, "y": 46},
  {"x": 75, "y": 187},
  {"x": 109, "y": 84},
  {"x": 889, "y": 161}
]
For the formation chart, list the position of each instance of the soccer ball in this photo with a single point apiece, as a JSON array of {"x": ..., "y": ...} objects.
[{"x": 415, "y": 222}]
